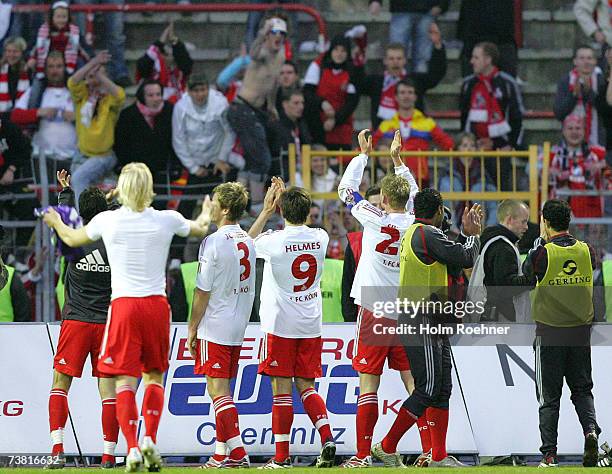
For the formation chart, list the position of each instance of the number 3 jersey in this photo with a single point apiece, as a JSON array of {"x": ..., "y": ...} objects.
[
  {"x": 227, "y": 270},
  {"x": 291, "y": 304}
]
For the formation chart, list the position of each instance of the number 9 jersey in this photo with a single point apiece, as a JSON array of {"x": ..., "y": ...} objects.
[{"x": 291, "y": 304}]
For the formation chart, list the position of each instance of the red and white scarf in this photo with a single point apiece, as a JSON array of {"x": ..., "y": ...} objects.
[
  {"x": 43, "y": 45},
  {"x": 173, "y": 79},
  {"x": 584, "y": 109},
  {"x": 149, "y": 114},
  {"x": 6, "y": 102},
  {"x": 388, "y": 104},
  {"x": 485, "y": 112}
]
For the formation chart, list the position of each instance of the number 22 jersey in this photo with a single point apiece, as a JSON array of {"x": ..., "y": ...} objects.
[{"x": 291, "y": 304}]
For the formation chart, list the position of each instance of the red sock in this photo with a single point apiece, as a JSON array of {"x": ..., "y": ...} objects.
[
  {"x": 152, "y": 407},
  {"x": 228, "y": 429},
  {"x": 282, "y": 419},
  {"x": 127, "y": 414},
  {"x": 110, "y": 426},
  {"x": 367, "y": 416},
  {"x": 424, "y": 432},
  {"x": 438, "y": 423},
  {"x": 58, "y": 414},
  {"x": 315, "y": 407},
  {"x": 402, "y": 423}
]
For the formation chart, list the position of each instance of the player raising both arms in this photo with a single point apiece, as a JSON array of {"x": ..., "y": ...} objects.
[
  {"x": 88, "y": 294},
  {"x": 136, "y": 340},
  {"x": 377, "y": 279},
  {"x": 291, "y": 317},
  {"x": 222, "y": 304}
]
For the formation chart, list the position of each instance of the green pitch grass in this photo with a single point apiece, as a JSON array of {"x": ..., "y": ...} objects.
[{"x": 310, "y": 470}]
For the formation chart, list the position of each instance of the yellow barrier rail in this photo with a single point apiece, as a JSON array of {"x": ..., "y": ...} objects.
[{"x": 532, "y": 194}]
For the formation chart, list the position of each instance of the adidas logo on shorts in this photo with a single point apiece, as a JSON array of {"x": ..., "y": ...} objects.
[
  {"x": 363, "y": 361},
  {"x": 108, "y": 360},
  {"x": 216, "y": 366},
  {"x": 273, "y": 364},
  {"x": 93, "y": 262},
  {"x": 62, "y": 361}
]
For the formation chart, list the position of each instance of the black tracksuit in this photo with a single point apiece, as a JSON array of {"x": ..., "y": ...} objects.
[
  {"x": 560, "y": 352},
  {"x": 88, "y": 280},
  {"x": 501, "y": 275},
  {"x": 430, "y": 355}
]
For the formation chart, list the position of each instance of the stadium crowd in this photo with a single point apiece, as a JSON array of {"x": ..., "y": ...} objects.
[{"x": 189, "y": 135}]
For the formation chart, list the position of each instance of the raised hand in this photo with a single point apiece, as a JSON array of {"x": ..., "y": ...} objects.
[
  {"x": 471, "y": 220},
  {"x": 63, "y": 178},
  {"x": 365, "y": 141},
  {"x": 396, "y": 148}
]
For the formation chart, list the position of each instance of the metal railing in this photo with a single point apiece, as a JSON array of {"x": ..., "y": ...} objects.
[
  {"x": 436, "y": 158},
  {"x": 91, "y": 9}
]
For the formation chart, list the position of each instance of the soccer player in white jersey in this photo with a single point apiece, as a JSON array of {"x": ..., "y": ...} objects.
[
  {"x": 136, "y": 340},
  {"x": 376, "y": 279},
  {"x": 291, "y": 318},
  {"x": 222, "y": 304}
]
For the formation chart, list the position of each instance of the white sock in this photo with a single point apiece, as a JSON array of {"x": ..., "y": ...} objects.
[
  {"x": 57, "y": 436},
  {"x": 109, "y": 448}
]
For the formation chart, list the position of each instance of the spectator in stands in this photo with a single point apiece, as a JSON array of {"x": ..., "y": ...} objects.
[
  {"x": 314, "y": 217},
  {"x": 331, "y": 97},
  {"x": 144, "y": 131},
  {"x": 14, "y": 162},
  {"x": 254, "y": 23},
  {"x": 97, "y": 102},
  {"x": 418, "y": 131},
  {"x": 381, "y": 87},
  {"x": 582, "y": 92},
  {"x": 594, "y": 18},
  {"x": 288, "y": 80},
  {"x": 254, "y": 107},
  {"x": 473, "y": 167},
  {"x": 323, "y": 178},
  {"x": 202, "y": 138},
  {"x": 14, "y": 75},
  {"x": 49, "y": 107},
  {"x": 486, "y": 21},
  {"x": 167, "y": 61},
  {"x": 352, "y": 254},
  {"x": 58, "y": 33},
  {"x": 410, "y": 26},
  {"x": 115, "y": 40},
  {"x": 492, "y": 109},
  {"x": 292, "y": 128},
  {"x": 576, "y": 164}
]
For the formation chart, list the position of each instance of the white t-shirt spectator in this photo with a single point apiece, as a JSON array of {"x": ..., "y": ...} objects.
[
  {"x": 137, "y": 245},
  {"x": 56, "y": 137}
]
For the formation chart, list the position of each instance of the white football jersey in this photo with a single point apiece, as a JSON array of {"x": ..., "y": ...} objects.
[
  {"x": 226, "y": 269},
  {"x": 379, "y": 266},
  {"x": 377, "y": 275},
  {"x": 291, "y": 304}
]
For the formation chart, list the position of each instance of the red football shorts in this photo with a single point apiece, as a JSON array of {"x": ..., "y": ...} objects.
[
  {"x": 370, "y": 358},
  {"x": 77, "y": 340},
  {"x": 284, "y": 357},
  {"x": 137, "y": 337},
  {"x": 216, "y": 360}
]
